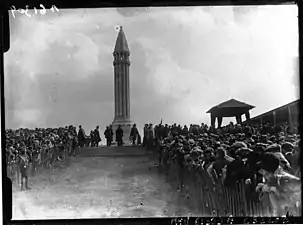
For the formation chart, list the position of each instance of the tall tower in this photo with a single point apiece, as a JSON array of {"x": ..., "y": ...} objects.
[{"x": 121, "y": 85}]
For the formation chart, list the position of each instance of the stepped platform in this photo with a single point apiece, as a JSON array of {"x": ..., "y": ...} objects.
[{"x": 113, "y": 151}]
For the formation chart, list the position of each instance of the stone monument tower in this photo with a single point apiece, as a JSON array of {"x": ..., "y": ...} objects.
[{"x": 121, "y": 86}]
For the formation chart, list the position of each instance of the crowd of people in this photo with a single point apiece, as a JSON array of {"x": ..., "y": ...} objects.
[
  {"x": 28, "y": 150},
  {"x": 263, "y": 158},
  {"x": 94, "y": 138}
]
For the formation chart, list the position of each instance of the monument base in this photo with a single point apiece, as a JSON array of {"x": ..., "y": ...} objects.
[{"x": 126, "y": 126}]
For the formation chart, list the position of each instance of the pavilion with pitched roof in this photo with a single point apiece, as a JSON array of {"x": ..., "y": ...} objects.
[{"x": 230, "y": 108}]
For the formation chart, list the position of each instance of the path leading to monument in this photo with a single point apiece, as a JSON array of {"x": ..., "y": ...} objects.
[{"x": 95, "y": 186}]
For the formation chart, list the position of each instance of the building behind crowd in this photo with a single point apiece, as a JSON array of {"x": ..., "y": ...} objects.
[{"x": 287, "y": 113}]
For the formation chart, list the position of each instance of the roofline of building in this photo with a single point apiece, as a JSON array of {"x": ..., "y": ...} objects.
[
  {"x": 249, "y": 107},
  {"x": 218, "y": 106},
  {"x": 268, "y": 112}
]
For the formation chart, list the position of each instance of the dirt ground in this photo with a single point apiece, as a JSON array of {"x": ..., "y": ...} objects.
[{"x": 99, "y": 187}]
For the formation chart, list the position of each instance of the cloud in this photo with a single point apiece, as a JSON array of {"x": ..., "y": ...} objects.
[
  {"x": 132, "y": 11},
  {"x": 185, "y": 60}
]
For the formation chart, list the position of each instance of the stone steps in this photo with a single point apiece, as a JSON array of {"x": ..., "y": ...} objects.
[{"x": 113, "y": 151}]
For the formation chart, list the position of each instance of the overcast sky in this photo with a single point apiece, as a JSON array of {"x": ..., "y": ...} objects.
[{"x": 184, "y": 60}]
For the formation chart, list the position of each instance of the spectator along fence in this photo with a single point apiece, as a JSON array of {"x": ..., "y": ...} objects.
[
  {"x": 208, "y": 195},
  {"x": 44, "y": 159}
]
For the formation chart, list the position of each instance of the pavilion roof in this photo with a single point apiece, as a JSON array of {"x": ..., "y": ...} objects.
[{"x": 230, "y": 107}]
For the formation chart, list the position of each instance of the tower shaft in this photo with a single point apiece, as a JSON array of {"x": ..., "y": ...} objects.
[{"x": 121, "y": 86}]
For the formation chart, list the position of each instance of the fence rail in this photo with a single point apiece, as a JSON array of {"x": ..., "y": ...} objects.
[{"x": 211, "y": 198}]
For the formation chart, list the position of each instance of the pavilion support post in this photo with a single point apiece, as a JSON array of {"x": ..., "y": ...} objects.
[
  {"x": 238, "y": 119},
  {"x": 274, "y": 116},
  {"x": 220, "y": 121},
  {"x": 213, "y": 120},
  {"x": 247, "y": 115}
]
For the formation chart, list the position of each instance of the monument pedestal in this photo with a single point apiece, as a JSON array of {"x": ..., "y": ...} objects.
[{"x": 126, "y": 126}]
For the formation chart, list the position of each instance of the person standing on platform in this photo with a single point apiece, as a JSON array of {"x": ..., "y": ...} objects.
[
  {"x": 81, "y": 136},
  {"x": 144, "y": 144},
  {"x": 111, "y": 133},
  {"x": 119, "y": 136},
  {"x": 133, "y": 134},
  {"x": 108, "y": 135},
  {"x": 97, "y": 136},
  {"x": 150, "y": 136},
  {"x": 92, "y": 139}
]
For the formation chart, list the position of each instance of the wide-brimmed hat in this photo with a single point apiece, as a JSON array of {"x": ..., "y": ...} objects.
[
  {"x": 287, "y": 146},
  {"x": 274, "y": 148},
  {"x": 179, "y": 145},
  {"x": 196, "y": 149},
  {"x": 208, "y": 150},
  {"x": 270, "y": 162},
  {"x": 260, "y": 149},
  {"x": 191, "y": 141},
  {"x": 221, "y": 151},
  {"x": 239, "y": 144},
  {"x": 282, "y": 159},
  {"x": 243, "y": 150},
  {"x": 250, "y": 140}
]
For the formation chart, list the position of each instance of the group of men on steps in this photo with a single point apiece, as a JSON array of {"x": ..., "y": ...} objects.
[{"x": 108, "y": 133}]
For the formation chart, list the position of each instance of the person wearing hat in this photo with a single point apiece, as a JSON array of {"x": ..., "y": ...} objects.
[
  {"x": 269, "y": 163},
  {"x": 23, "y": 166},
  {"x": 81, "y": 136},
  {"x": 221, "y": 160},
  {"x": 243, "y": 152},
  {"x": 279, "y": 186},
  {"x": 108, "y": 133},
  {"x": 97, "y": 136},
  {"x": 284, "y": 163},
  {"x": 144, "y": 143},
  {"x": 150, "y": 136},
  {"x": 273, "y": 148},
  {"x": 208, "y": 157},
  {"x": 92, "y": 142},
  {"x": 180, "y": 161},
  {"x": 119, "y": 136},
  {"x": 239, "y": 144},
  {"x": 287, "y": 147},
  {"x": 134, "y": 134}
]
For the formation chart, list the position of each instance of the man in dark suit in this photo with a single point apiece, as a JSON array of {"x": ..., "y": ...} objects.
[
  {"x": 133, "y": 134},
  {"x": 97, "y": 136},
  {"x": 81, "y": 136},
  {"x": 108, "y": 133},
  {"x": 92, "y": 139},
  {"x": 119, "y": 136}
]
